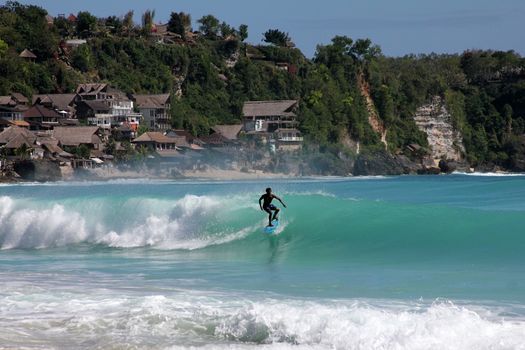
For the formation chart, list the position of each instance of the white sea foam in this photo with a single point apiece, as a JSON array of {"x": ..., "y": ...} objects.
[
  {"x": 179, "y": 224},
  {"x": 188, "y": 319},
  {"x": 489, "y": 174}
]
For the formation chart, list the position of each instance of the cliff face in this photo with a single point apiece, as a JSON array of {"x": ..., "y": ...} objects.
[
  {"x": 445, "y": 142},
  {"x": 373, "y": 118}
]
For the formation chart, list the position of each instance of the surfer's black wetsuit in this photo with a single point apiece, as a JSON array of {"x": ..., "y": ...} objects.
[{"x": 268, "y": 207}]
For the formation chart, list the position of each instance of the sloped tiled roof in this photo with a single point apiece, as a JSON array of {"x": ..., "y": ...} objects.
[
  {"x": 151, "y": 101},
  {"x": 40, "y": 111},
  {"x": 27, "y": 54},
  {"x": 14, "y": 100},
  {"x": 14, "y": 131},
  {"x": 154, "y": 136},
  {"x": 96, "y": 105},
  {"x": 19, "y": 141},
  {"x": 228, "y": 131},
  {"x": 6, "y": 101},
  {"x": 214, "y": 139},
  {"x": 76, "y": 135},
  {"x": 90, "y": 88},
  {"x": 180, "y": 132},
  {"x": 268, "y": 108},
  {"x": 19, "y": 97},
  {"x": 60, "y": 101}
]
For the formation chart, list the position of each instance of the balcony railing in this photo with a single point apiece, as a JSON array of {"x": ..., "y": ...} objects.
[{"x": 291, "y": 139}]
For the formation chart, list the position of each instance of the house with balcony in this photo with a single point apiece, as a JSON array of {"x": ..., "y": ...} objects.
[
  {"x": 42, "y": 118},
  {"x": 155, "y": 110},
  {"x": 274, "y": 122},
  {"x": 12, "y": 110},
  {"x": 116, "y": 100},
  {"x": 103, "y": 106},
  {"x": 159, "y": 143}
]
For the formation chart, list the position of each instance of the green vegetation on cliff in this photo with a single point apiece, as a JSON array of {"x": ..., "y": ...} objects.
[{"x": 215, "y": 72}]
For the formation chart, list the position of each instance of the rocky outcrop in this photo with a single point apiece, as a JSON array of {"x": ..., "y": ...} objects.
[
  {"x": 517, "y": 159},
  {"x": 383, "y": 163},
  {"x": 38, "y": 170},
  {"x": 444, "y": 141},
  {"x": 178, "y": 81}
]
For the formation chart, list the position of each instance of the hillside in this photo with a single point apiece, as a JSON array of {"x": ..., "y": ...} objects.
[{"x": 353, "y": 98}]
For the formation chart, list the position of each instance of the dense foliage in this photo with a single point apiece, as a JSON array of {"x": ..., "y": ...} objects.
[{"x": 216, "y": 73}]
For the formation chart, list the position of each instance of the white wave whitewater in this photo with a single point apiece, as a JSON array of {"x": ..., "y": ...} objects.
[
  {"x": 163, "y": 224},
  {"x": 232, "y": 322}
]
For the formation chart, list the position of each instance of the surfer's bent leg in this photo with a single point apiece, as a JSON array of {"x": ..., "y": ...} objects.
[{"x": 276, "y": 212}]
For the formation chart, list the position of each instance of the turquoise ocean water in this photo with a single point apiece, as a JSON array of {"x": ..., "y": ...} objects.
[{"x": 364, "y": 263}]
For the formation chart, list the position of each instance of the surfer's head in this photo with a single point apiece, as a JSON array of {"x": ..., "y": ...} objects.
[{"x": 269, "y": 190}]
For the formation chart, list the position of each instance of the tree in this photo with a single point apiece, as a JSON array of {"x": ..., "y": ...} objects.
[
  {"x": 142, "y": 129},
  {"x": 243, "y": 32},
  {"x": 64, "y": 27},
  {"x": 276, "y": 37},
  {"x": 147, "y": 21},
  {"x": 179, "y": 23},
  {"x": 336, "y": 53},
  {"x": 3, "y": 48},
  {"x": 23, "y": 152},
  {"x": 209, "y": 25},
  {"x": 114, "y": 24},
  {"x": 82, "y": 58},
  {"x": 363, "y": 50},
  {"x": 226, "y": 30},
  {"x": 127, "y": 21},
  {"x": 86, "y": 24},
  {"x": 82, "y": 152}
]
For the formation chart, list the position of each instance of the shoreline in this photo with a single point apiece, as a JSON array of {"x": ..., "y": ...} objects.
[{"x": 215, "y": 174}]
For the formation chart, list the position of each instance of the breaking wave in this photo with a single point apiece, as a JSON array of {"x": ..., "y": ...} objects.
[
  {"x": 318, "y": 226},
  {"x": 191, "y": 222}
]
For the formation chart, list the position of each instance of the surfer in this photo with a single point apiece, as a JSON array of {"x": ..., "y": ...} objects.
[{"x": 268, "y": 207}]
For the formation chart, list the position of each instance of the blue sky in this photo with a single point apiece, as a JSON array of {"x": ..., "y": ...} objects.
[{"x": 398, "y": 26}]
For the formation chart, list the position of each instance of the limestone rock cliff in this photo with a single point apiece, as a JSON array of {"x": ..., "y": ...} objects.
[{"x": 445, "y": 142}]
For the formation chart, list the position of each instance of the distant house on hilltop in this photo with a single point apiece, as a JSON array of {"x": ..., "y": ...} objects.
[
  {"x": 273, "y": 121},
  {"x": 74, "y": 43},
  {"x": 27, "y": 55}
]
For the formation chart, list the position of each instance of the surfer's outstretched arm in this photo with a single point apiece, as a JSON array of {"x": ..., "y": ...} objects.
[
  {"x": 279, "y": 199},
  {"x": 260, "y": 200}
]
